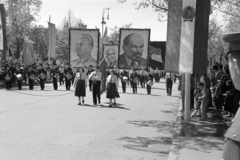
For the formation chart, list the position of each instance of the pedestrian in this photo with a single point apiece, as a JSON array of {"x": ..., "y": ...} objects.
[
  {"x": 68, "y": 76},
  {"x": 8, "y": 75},
  {"x": 42, "y": 74},
  {"x": 31, "y": 77},
  {"x": 149, "y": 82},
  {"x": 124, "y": 79},
  {"x": 80, "y": 85},
  {"x": 61, "y": 79},
  {"x": 90, "y": 70},
  {"x": 20, "y": 76},
  {"x": 204, "y": 98},
  {"x": 157, "y": 75},
  {"x": 112, "y": 88},
  {"x": 96, "y": 77},
  {"x": 143, "y": 75},
  {"x": 169, "y": 83},
  {"x": 56, "y": 76},
  {"x": 134, "y": 81}
]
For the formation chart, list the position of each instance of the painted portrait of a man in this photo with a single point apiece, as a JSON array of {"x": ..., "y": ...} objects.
[
  {"x": 134, "y": 48},
  {"x": 111, "y": 53},
  {"x": 84, "y": 48}
]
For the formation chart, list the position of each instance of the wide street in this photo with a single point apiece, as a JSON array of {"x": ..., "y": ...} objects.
[{"x": 49, "y": 125}]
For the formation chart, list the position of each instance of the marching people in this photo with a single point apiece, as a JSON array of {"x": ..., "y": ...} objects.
[
  {"x": 112, "y": 88},
  {"x": 169, "y": 83},
  {"x": 149, "y": 82},
  {"x": 90, "y": 70},
  {"x": 134, "y": 81},
  {"x": 42, "y": 75},
  {"x": 68, "y": 76},
  {"x": 31, "y": 77},
  {"x": 143, "y": 75},
  {"x": 96, "y": 77},
  {"x": 124, "y": 79},
  {"x": 61, "y": 79},
  {"x": 157, "y": 75},
  {"x": 8, "y": 75},
  {"x": 80, "y": 85},
  {"x": 56, "y": 76},
  {"x": 20, "y": 76}
]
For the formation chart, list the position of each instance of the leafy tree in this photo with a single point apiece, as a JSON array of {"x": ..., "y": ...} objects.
[
  {"x": 21, "y": 16},
  {"x": 69, "y": 21}
]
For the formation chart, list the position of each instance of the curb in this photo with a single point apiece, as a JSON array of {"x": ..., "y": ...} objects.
[{"x": 173, "y": 154}]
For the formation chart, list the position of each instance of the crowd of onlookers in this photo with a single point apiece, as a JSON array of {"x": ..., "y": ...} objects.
[{"x": 214, "y": 90}]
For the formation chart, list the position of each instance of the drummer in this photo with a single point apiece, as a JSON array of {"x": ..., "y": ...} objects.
[
  {"x": 19, "y": 76},
  {"x": 149, "y": 81}
]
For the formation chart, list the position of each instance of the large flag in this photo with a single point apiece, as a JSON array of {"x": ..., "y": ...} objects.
[
  {"x": 103, "y": 67},
  {"x": 52, "y": 40},
  {"x": 3, "y": 36},
  {"x": 28, "y": 54},
  {"x": 187, "y": 36}
]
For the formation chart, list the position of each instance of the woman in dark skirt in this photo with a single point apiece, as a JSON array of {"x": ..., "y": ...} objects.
[
  {"x": 80, "y": 85},
  {"x": 112, "y": 88}
]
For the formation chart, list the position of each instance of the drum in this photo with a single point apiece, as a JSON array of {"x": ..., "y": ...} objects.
[
  {"x": 150, "y": 83},
  {"x": 125, "y": 79},
  {"x": 19, "y": 76}
]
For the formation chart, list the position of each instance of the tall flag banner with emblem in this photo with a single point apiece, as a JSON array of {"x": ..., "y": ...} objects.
[
  {"x": 28, "y": 54},
  {"x": 103, "y": 67},
  {"x": 3, "y": 36},
  {"x": 52, "y": 40},
  {"x": 187, "y": 36}
]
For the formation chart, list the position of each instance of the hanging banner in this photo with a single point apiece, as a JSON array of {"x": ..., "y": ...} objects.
[
  {"x": 187, "y": 36},
  {"x": 3, "y": 36},
  {"x": 52, "y": 40},
  {"x": 28, "y": 54}
]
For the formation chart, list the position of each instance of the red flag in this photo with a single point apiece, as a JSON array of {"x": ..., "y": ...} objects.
[
  {"x": 103, "y": 67},
  {"x": 3, "y": 35}
]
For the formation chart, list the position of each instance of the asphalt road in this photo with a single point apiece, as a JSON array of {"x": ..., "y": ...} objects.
[{"x": 49, "y": 125}]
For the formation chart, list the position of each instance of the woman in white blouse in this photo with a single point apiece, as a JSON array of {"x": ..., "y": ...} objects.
[
  {"x": 80, "y": 85},
  {"x": 112, "y": 88}
]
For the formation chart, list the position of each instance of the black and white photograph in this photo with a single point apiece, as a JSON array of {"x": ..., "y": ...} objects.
[
  {"x": 84, "y": 47},
  {"x": 133, "y": 48}
]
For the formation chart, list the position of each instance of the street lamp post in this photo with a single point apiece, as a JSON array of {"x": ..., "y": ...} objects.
[{"x": 103, "y": 21}]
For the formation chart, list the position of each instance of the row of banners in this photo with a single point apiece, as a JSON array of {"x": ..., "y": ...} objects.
[{"x": 184, "y": 52}]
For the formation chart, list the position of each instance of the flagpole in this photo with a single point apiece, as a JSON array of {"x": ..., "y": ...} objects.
[
  {"x": 49, "y": 50},
  {"x": 187, "y": 97}
]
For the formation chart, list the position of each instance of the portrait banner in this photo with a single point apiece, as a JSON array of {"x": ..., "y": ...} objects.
[
  {"x": 28, "y": 54},
  {"x": 156, "y": 54},
  {"x": 133, "y": 48},
  {"x": 3, "y": 34},
  {"x": 84, "y": 47},
  {"x": 111, "y": 56}
]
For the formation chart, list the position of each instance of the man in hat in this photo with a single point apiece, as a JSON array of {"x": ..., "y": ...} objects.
[
  {"x": 68, "y": 76},
  {"x": 96, "y": 77},
  {"x": 31, "y": 77},
  {"x": 20, "y": 76},
  {"x": 56, "y": 75},
  {"x": 8, "y": 75}
]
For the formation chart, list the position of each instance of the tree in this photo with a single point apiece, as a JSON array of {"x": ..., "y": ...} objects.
[
  {"x": 21, "y": 16},
  {"x": 69, "y": 21}
]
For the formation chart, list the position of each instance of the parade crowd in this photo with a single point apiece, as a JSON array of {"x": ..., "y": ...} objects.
[{"x": 80, "y": 78}]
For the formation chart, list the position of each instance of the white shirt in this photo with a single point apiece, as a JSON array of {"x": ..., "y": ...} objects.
[
  {"x": 169, "y": 75},
  {"x": 79, "y": 76},
  {"x": 97, "y": 76}
]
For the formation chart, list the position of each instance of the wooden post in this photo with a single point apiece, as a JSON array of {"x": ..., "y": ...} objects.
[{"x": 187, "y": 97}]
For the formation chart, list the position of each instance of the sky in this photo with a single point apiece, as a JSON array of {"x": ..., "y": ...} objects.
[{"x": 90, "y": 11}]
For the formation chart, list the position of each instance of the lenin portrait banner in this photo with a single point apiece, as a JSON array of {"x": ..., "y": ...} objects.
[
  {"x": 157, "y": 51},
  {"x": 111, "y": 56},
  {"x": 84, "y": 47},
  {"x": 133, "y": 48}
]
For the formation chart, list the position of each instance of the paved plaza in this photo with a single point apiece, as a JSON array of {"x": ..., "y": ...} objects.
[{"x": 49, "y": 125}]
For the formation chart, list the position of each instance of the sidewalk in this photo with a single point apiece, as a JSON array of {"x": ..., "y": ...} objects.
[{"x": 198, "y": 140}]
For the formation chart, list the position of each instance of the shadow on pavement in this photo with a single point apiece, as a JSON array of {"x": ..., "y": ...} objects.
[{"x": 157, "y": 145}]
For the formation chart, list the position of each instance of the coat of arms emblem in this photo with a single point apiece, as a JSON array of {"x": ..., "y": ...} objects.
[{"x": 188, "y": 14}]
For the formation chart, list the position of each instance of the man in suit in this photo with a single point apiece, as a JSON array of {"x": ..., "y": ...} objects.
[
  {"x": 84, "y": 48},
  {"x": 111, "y": 58},
  {"x": 133, "y": 46}
]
